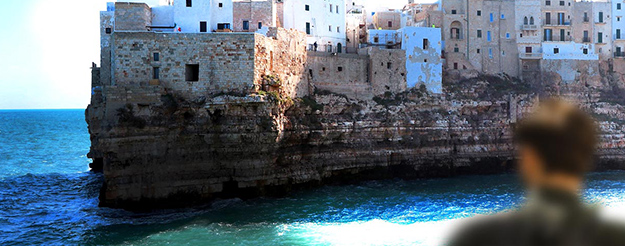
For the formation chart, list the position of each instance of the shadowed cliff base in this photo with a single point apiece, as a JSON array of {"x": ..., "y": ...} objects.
[{"x": 181, "y": 152}]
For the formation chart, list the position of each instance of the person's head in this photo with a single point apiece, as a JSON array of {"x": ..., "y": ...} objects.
[{"x": 556, "y": 145}]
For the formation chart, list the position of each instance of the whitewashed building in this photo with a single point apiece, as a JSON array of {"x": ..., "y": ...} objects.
[
  {"x": 424, "y": 65},
  {"x": 188, "y": 16},
  {"x": 322, "y": 20},
  {"x": 618, "y": 28}
]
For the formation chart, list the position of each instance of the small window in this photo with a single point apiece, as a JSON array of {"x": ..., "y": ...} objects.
[
  {"x": 323, "y": 69},
  {"x": 307, "y": 7},
  {"x": 338, "y": 29},
  {"x": 376, "y": 39},
  {"x": 157, "y": 56},
  {"x": 491, "y": 17},
  {"x": 585, "y": 51},
  {"x": 548, "y": 3},
  {"x": 108, "y": 30},
  {"x": 192, "y": 72},
  {"x": 223, "y": 26},
  {"x": 453, "y": 12},
  {"x": 503, "y": 16},
  {"x": 389, "y": 65},
  {"x": 337, "y": 9},
  {"x": 189, "y": 3},
  {"x": 556, "y": 50},
  {"x": 508, "y": 35},
  {"x": 308, "y": 28},
  {"x": 203, "y": 27},
  {"x": 455, "y": 65},
  {"x": 479, "y": 33},
  {"x": 456, "y": 49},
  {"x": 260, "y": 25},
  {"x": 561, "y": 3},
  {"x": 221, "y": 5},
  {"x": 426, "y": 44},
  {"x": 478, "y": 51},
  {"x": 618, "y": 6},
  {"x": 340, "y": 69},
  {"x": 331, "y": 8},
  {"x": 490, "y": 53},
  {"x": 390, "y": 24},
  {"x": 424, "y": 60},
  {"x": 156, "y": 73},
  {"x": 488, "y": 36},
  {"x": 479, "y": 13},
  {"x": 246, "y": 25},
  {"x": 330, "y": 28}
]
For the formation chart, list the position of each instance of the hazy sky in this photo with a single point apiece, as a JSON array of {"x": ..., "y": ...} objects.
[{"x": 46, "y": 50}]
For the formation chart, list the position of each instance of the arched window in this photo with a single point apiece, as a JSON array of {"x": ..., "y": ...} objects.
[
  {"x": 525, "y": 20},
  {"x": 532, "y": 20},
  {"x": 455, "y": 30}
]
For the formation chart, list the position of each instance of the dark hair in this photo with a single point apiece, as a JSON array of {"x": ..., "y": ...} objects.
[{"x": 563, "y": 136}]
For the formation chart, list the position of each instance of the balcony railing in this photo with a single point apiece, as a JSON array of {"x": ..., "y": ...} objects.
[
  {"x": 565, "y": 23},
  {"x": 529, "y": 27},
  {"x": 586, "y": 19},
  {"x": 586, "y": 40},
  {"x": 531, "y": 55},
  {"x": 619, "y": 54},
  {"x": 600, "y": 22}
]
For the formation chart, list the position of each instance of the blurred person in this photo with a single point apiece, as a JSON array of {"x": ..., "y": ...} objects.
[{"x": 556, "y": 145}]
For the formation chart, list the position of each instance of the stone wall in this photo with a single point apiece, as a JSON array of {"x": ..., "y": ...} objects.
[
  {"x": 345, "y": 74},
  {"x": 387, "y": 70},
  {"x": 282, "y": 54},
  {"x": 254, "y": 12},
  {"x": 226, "y": 61},
  {"x": 132, "y": 16}
]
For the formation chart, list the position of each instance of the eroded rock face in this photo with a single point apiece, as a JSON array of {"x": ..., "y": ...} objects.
[{"x": 177, "y": 152}]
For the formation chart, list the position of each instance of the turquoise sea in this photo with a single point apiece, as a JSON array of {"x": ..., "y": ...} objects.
[{"x": 49, "y": 197}]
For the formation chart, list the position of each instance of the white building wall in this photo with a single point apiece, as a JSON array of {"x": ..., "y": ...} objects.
[
  {"x": 188, "y": 18},
  {"x": 423, "y": 66},
  {"x": 163, "y": 16},
  {"x": 568, "y": 51},
  {"x": 618, "y": 23},
  {"x": 222, "y": 14},
  {"x": 323, "y": 23}
]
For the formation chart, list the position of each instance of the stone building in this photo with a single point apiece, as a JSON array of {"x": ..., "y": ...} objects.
[
  {"x": 253, "y": 15},
  {"x": 562, "y": 36},
  {"x": 387, "y": 20},
  {"x": 618, "y": 29},
  {"x": 479, "y": 35}
]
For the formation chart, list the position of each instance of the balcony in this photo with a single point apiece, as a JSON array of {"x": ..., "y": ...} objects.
[
  {"x": 562, "y": 23},
  {"x": 619, "y": 54},
  {"x": 600, "y": 22},
  {"x": 586, "y": 19},
  {"x": 530, "y": 55},
  {"x": 529, "y": 27},
  {"x": 586, "y": 40}
]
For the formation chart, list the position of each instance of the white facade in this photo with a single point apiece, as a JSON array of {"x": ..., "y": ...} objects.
[
  {"x": 568, "y": 51},
  {"x": 618, "y": 28},
  {"x": 424, "y": 65},
  {"x": 217, "y": 14},
  {"x": 323, "y": 21}
]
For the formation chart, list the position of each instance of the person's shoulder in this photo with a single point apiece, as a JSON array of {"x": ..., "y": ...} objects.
[
  {"x": 484, "y": 230},
  {"x": 611, "y": 232}
]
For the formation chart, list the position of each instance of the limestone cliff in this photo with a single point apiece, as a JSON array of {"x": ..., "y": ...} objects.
[{"x": 177, "y": 152}]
